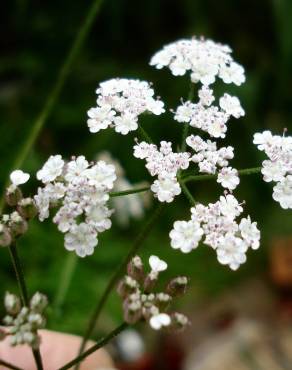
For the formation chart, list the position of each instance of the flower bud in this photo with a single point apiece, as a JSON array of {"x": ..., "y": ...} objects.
[
  {"x": 5, "y": 237},
  {"x": 18, "y": 225},
  {"x": 13, "y": 195},
  {"x": 132, "y": 311},
  {"x": 27, "y": 208},
  {"x": 177, "y": 286},
  {"x": 12, "y": 304},
  {"x": 179, "y": 321},
  {"x": 127, "y": 286},
  {"x": 38, "y": 302},
  {"x": 135, "y": 268},
  {"x": 162, "y": 301},
  {"x": 150, "y": 281}
]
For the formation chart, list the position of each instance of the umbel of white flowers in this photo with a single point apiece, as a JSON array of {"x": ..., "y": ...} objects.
[
  {"x": 79, "y": 190},
  {"x": 24, "y": 322},
  {"x": 141, "y": 302},
  {"x": 278, "y": 168}
]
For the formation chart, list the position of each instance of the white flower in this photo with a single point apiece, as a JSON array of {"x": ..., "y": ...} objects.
[
  {"x": 204, "y": 59},
  {"x": 100, "y": 118},
  {"x": 82, "y": 239},
  {"x": 263, "y": 140},
  {"x": 229, "y": 206},
  {"x": 156, "y": 264},
  {"x": 166, "y": 188},
  {"x": 76, "y": 168},
  {"x": 101, "y": 175},
  {"x": 228, "y": 178},
  {"x": 120, "y": 102},
  {"x": 126, "y": 123},
  {"x": 186, "y": 235},
  {"x": 283, "y": 192},
  {"x": 206, "y": 96},
  {"x": 233, "y": 73},
  {"x": 273, "y": 171},
  {"x": 250, "y": 232},
  {"x": 51, "y": 169},
  {"x": 159, "y": 321},
  {"x": 19, "y": 177},
  {"x": 231, "y": 105},
  {"x": 231, "y": 251}
]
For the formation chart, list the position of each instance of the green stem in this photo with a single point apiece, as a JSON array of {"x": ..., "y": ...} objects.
[
  {"x": 144, "y": 134},
  {"x": 19, "y": 275},
  {"x": 244, "y": 172},
  {"x": 119, "y": 271},
  {"x": 9, "y": 366},
  {"x": 187, "y": 193},
  {"x": 55, "y": 92},
  {"x": 23, "y": 294},
  {"x": 130, "y": 191},
  {"x": 187, "y": 125},
  {"x": 101, "y": 343},
  {"x": 65, "y": 281}
]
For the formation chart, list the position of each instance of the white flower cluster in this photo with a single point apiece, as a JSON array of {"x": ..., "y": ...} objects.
[
  {"x": 205, "y": 59},
  {"x": 165, "y": 164},
  {"x": 80, "y": 190},
  {"x": 208, "y": 158},
  {"x": 24, "y": 322},
  {"x": 120, "y": 102},
  {"x": 207, "y": 117},
  {"x": 217, "y": 222},
  {"x": 139, "y": 300},
  {"x": 278, "y": 167}
]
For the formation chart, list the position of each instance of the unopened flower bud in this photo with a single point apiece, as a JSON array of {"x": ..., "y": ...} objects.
[
  {"x": 127, "y": 286},
  {"x": 177, "y": 286},
  {"x": 38, "y": 302},
  {"x": 18, "y": 224},
  {"x": 150, "y": 281},
  {"x": 135, "y": 268},
  {"x": 179, "y": 321},
  {"x": 27, "y": 208},
  {"x": 36, "y": 320},
  {"x": 12, "y": 304},
  {"x": 5, "y": 237},
  {"x": 162, "y": 301},
  {"x": 149, "y": 311},
  {"x": 13, "y": 195},
  {"x": 132, "y": 311}
]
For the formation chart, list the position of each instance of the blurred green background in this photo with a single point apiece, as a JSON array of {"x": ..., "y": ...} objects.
[{"x": 35, "y": 37}]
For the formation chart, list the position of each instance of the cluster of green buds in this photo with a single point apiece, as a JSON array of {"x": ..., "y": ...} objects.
[
  {"x": 142, "y": 302},
  {"x": 15, "y": 223},
  {"x": 23, "y": 322}
]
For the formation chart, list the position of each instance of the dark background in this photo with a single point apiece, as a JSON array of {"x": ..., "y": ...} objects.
[{"x": 35, "y": 37}]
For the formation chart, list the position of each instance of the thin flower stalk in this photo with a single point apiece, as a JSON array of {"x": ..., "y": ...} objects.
[{"x": 115, "y": 277}]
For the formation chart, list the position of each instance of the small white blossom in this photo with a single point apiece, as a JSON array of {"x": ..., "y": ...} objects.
[
  {"x": 186, "y": 235},
  {"x": 19, "y": 177},
  {"x": 283, "y": 192},
  {"x": 158, "y": 321},
  {"x": 51, "y": 169},
  {"x": 156, "y": 264},
  {"x": 278, "y": 166},
  {"x": 231, "y": 105},
  {"x": 82, "y": 239},
  {"x": 228, "y": 178}
]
